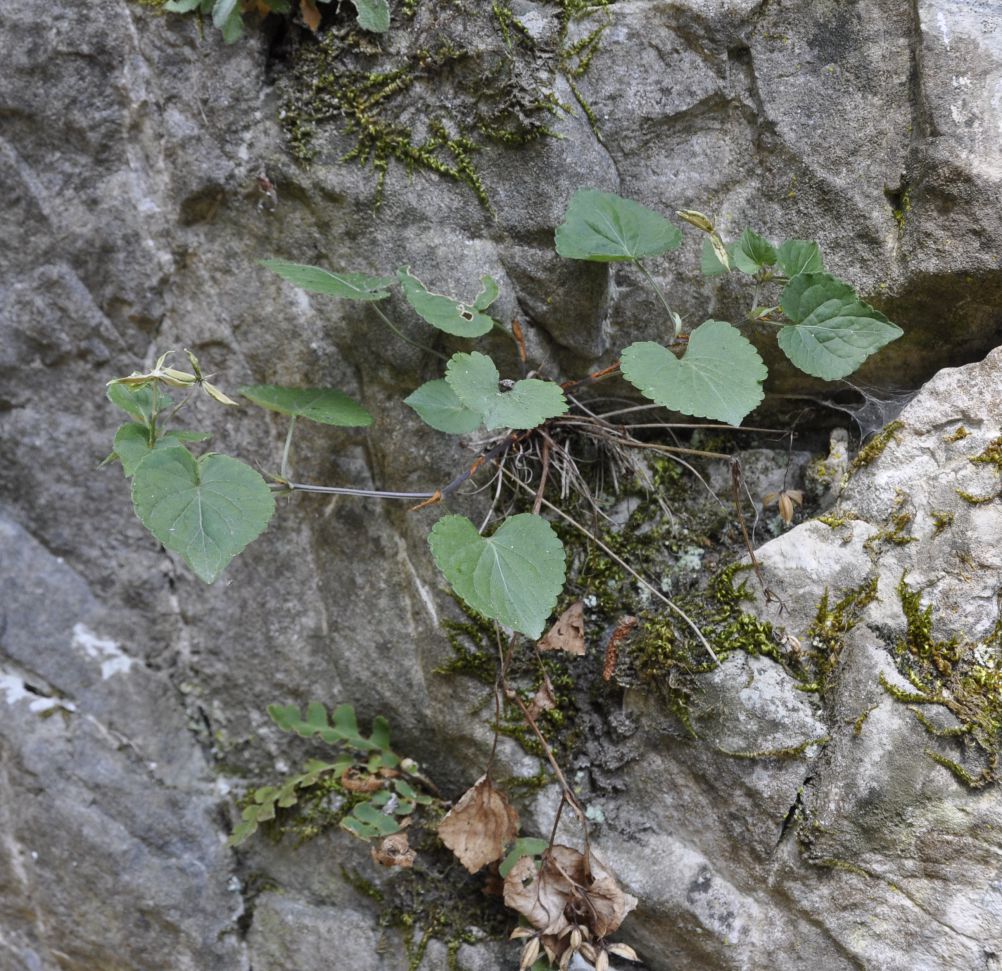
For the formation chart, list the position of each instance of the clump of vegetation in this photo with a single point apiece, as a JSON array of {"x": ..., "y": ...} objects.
[{"x": 957, "y": 676}]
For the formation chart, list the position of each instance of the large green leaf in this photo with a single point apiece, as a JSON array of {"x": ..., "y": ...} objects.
[
  {"x": 445, "y": 313},
  {"x": 352, "y": 286},
  {"x": 474, "y": 379},
  {"x": 720, "y": 376},
  {"x": 437, "y": 405},
  {"x": 373, "y": 15},
  {"x": 132, "y": 443},
  {"x": 325, "y": 405},
  {"x": 800, "y": 256},
  {"x": 207, "y": 509},
  {"x": 834, "y": 332},
  {"x": 753, "y": 253},
  {"x": 514, "y": 576},
  {"x": 604, "y": 227}
]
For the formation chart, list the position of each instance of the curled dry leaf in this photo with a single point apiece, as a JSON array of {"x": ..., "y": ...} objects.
[
  {"x": 311, "y": 16},
  {"x": 356, "y": 781},
  {"x": 394, "y": 850},
  {"x": 567, "y": 634},
  {"x": 785, "y": 500},
  {"x": 563, "y": 895},
  {"x": 479, "y": 826},
  {"x": 543, "y": 699}
]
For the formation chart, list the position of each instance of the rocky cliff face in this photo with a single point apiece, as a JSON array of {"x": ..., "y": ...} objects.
[{"x": 131, "y": 146}]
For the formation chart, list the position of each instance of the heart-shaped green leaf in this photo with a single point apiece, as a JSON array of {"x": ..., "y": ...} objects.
[
  {"x": 753, "y": 253},
  {"x": 720, "y": 376},
  {"x": 352, "y": 286},
  {"x": 373, "y": 15},
  {"x": 605, "y": 228},
  {"x": 474, "y": 379},
  {"x": 437, "y": 405},
  {"x": 325, "y": 405},
  {"x": 514, "y": 576},
  {"x": 132, "y": 443},
  {"x": 445, "y": 313},
  {"x": 834, "y": 331},
  {"x": 800, "y": 256},
  {"x": 207, "y": 510}
]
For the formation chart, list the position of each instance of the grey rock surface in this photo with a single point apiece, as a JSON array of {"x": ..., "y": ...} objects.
[{"x": 130, "y": 150}]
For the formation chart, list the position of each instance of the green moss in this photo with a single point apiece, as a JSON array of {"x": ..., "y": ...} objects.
[
  {"x": 894, "y": 533},
  {"x": 790, "y": 752},
  {"x": 991, "y": 455},
  {"x": 973, "y": 499},
  {"x": 857, "y": 725},
  {"x": 832, "y": 624},
  {"x": 469, "y": 95},
  {"x": 873, "y": 449},
  {"x": 834, "y": 522},
  {"x": 962, "y": 677},
  {"x": 902, "y": 210},
  {"x": 958, "y": 436},
  {"x": 942, "y": 520}
]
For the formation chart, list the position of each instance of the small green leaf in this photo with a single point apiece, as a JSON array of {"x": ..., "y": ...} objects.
[
  {"x": 132, "y": 443},
  {"x": 207, "y": 510},
  {"x": 513, "y": 576},
  {"x": 604, "y": 227},
  {"x": 525, "y": 846},
  {"x": 325, "y": 405},
  {"x": 373, "y": 15},
  {"x": 367, "y": 822},
  {"x": 233, "y": 28},
  {"x": 437, "y": 405},
  {"x": 800, "y": 256},
  {"x": 753, "y": 253},
  {"x": 720, "y": 376},
  {"x": 474, "y": 379},
  {"x": 352, "y": 286},
  {"x": 834, "y": 332},
  {"x": 445, "y": 313},
  {"x": 380, "y": 733},
  {"x": 709, "y": 260}
]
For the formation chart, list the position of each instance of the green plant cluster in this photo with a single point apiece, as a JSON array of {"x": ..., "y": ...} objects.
[
  {"x": 210, "y": 507},
  {"x": 377, "y": 790}
]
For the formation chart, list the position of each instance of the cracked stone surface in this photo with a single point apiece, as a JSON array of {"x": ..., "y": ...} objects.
[{"x": 130, "y": 147}]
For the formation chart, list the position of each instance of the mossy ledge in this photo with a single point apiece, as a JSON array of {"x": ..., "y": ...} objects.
[
  {"x": 433, "y": 93},
  {"x": 958, "y": 675}
]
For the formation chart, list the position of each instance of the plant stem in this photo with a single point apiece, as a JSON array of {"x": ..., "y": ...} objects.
[
  {"x": 288, "y": 445},
  {"x": 664, "y": 301},
  {"x": 396, "y": 330}
]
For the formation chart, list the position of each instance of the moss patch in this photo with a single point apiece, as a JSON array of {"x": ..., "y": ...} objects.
[
  {"x": 959, "y": 676},
  {"x": 437, "y": 90},
  {"x": 874, "y": 448}
]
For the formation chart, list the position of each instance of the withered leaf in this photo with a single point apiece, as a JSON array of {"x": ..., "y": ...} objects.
[
  {"x": 543, "y": 699},
  {"x": 563, "y": 894},
  {"x": 310, "y": 14},
  {"x": 479, "y": 826},
  {"x": 567, "y": 634},
  {"x": 394, "y": 850}
]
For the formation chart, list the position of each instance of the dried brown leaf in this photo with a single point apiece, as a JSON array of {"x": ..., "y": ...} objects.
[
  {"x": 567, "y": 634},
  {"x": 394, "y": 850},
  {"x": 355, "y": 780},
  {"x": 542, "y": 700},
  {"x": 310, "y": 14},
  {"x": 480, "y": 825},
  {"x": 565, "y": 892}
]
